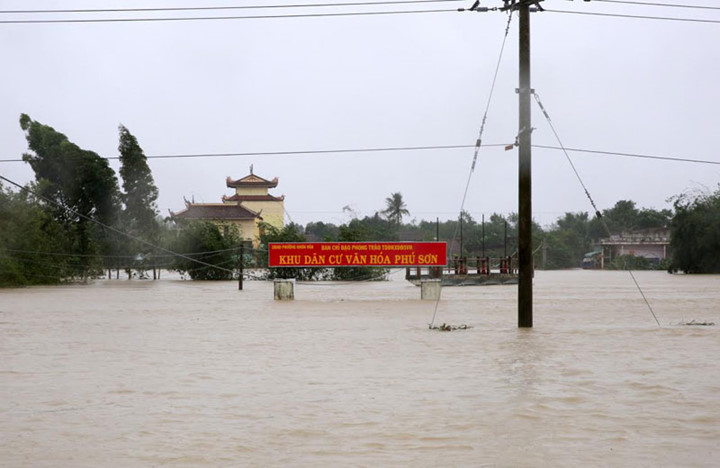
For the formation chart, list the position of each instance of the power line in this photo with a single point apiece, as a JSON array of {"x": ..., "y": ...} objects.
[
  {"x": 110, "y": 228},
  {"x": 216, "y": 8},
  {"x": 37, "y": 262},
  {"x": 669, "y": 5},
  {"x": 208, "y": 18},
  {"x": 618, "y": 15},
  {"x": 404, "y": 148},
  {"x": 630, "y": 155},
  {"x": 65, "y": 254},
  {"x": 300, "y": 152},
  {"x": 206, "y": 254}
]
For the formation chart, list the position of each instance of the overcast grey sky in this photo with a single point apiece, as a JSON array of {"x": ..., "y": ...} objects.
[{"x": 615, "y": 84}]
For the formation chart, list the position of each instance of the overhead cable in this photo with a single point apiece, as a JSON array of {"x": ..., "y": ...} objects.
[
  {"x": 655, "y": 4},
  {"x": 297, "y": 152},
  {"x": 210, "y": 18},
  {"x": 110, "y": 228},
  {"x": 208, "y": 253},
  {"x": 619, "y": 15},
  {"x": 629, "y": 155},
  {"x": 406, "y": 148},
  {"x": 225, "y": 7}
]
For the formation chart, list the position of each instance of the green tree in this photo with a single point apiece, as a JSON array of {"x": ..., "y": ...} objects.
[
  {"x": 358, "y": 231},
  {"x": 202, "y": 240},
  {"x": 375, "y": 228},
  {"x": 651, "y": 219},
  {"x": 319, "y": 231},
  {"x": 567, "y": 241},
  {"x": 369, "y": 228},
  {"x": 76, "y": 179},
  {"x": 695, "y": 233},
  {"x": 624, "y": 216},
  {"x": 139, "y": 195},
  {"x": 564, "y": 248},
  {"x": 289, "y": 233},
  {"x": 31, "y": 242},
  {"x": 395, "y": 208}
]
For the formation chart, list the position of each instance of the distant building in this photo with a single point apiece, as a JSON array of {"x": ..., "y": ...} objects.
[
  {"x": 250, "y": 205},
  {"x": 652, "y": 244},
  {"x": 251, "y": 192}
]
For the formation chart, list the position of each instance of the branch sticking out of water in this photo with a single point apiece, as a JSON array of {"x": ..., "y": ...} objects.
[
  {"x": 697, "y": 324},
  {"x": 447, "y": 327}
]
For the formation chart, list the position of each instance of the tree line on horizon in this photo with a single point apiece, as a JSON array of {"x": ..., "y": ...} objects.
[
  {"x": 565, "y": 242},
  {"x": 66, "y": 225},
  {"x": 76, "y": 221}
]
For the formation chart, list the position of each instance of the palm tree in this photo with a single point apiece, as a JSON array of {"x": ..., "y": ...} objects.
[{"x": 396, "y": 208}]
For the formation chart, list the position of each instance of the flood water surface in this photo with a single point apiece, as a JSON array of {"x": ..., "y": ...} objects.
[{"x": 180, "y": 373}]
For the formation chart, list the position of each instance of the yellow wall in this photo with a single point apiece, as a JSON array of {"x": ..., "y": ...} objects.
[
  {"x": 248, "y": 229},
  {"x": 251, "y": 190},
  {"x": 272, "y": 212}
]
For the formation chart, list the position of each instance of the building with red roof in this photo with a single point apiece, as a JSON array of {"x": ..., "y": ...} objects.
[{"x": 245, "y": 209}]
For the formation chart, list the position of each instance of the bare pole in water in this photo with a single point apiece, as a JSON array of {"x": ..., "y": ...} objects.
[
  {"x": 461, "y": 235},
  {"x": 241, "y": 266},
  {"x": 505, "y": 244},
  {"x": 483, "y": 235}
]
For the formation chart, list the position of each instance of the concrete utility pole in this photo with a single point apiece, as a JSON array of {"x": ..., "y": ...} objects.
[
  {"x": 525, "y": 261},
  {"x": 524, "y": 141}
]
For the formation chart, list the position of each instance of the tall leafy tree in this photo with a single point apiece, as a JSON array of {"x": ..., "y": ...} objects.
[
  {"x": 395, "y": 208},
  {"x": 77, "y": 179},
  {"x": 139, "y": 193}
]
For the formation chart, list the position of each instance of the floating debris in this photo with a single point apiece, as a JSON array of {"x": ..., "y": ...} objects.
[
  {"x": 697, "y": 324},
  {"x": 447, "y": 327}
]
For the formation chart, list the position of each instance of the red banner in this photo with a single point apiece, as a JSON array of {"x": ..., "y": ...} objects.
[{"x": 347, "y": 254}]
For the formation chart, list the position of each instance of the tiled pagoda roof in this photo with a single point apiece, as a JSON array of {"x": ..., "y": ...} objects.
[
  {"x": 242, "y": 198},
  {"x": 252, "y": 181},
  {"x": 217, "y": 212}
]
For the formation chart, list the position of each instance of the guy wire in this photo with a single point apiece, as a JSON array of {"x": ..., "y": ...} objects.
[
  {"x": 478, "y": 144},
  {"x": 592, "y": 202}
]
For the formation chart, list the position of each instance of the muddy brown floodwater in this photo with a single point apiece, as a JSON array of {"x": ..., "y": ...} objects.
[{"x": 179, "y": 373}]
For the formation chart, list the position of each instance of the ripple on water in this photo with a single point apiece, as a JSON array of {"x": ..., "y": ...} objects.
[{"x": 186, "y": 374}]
